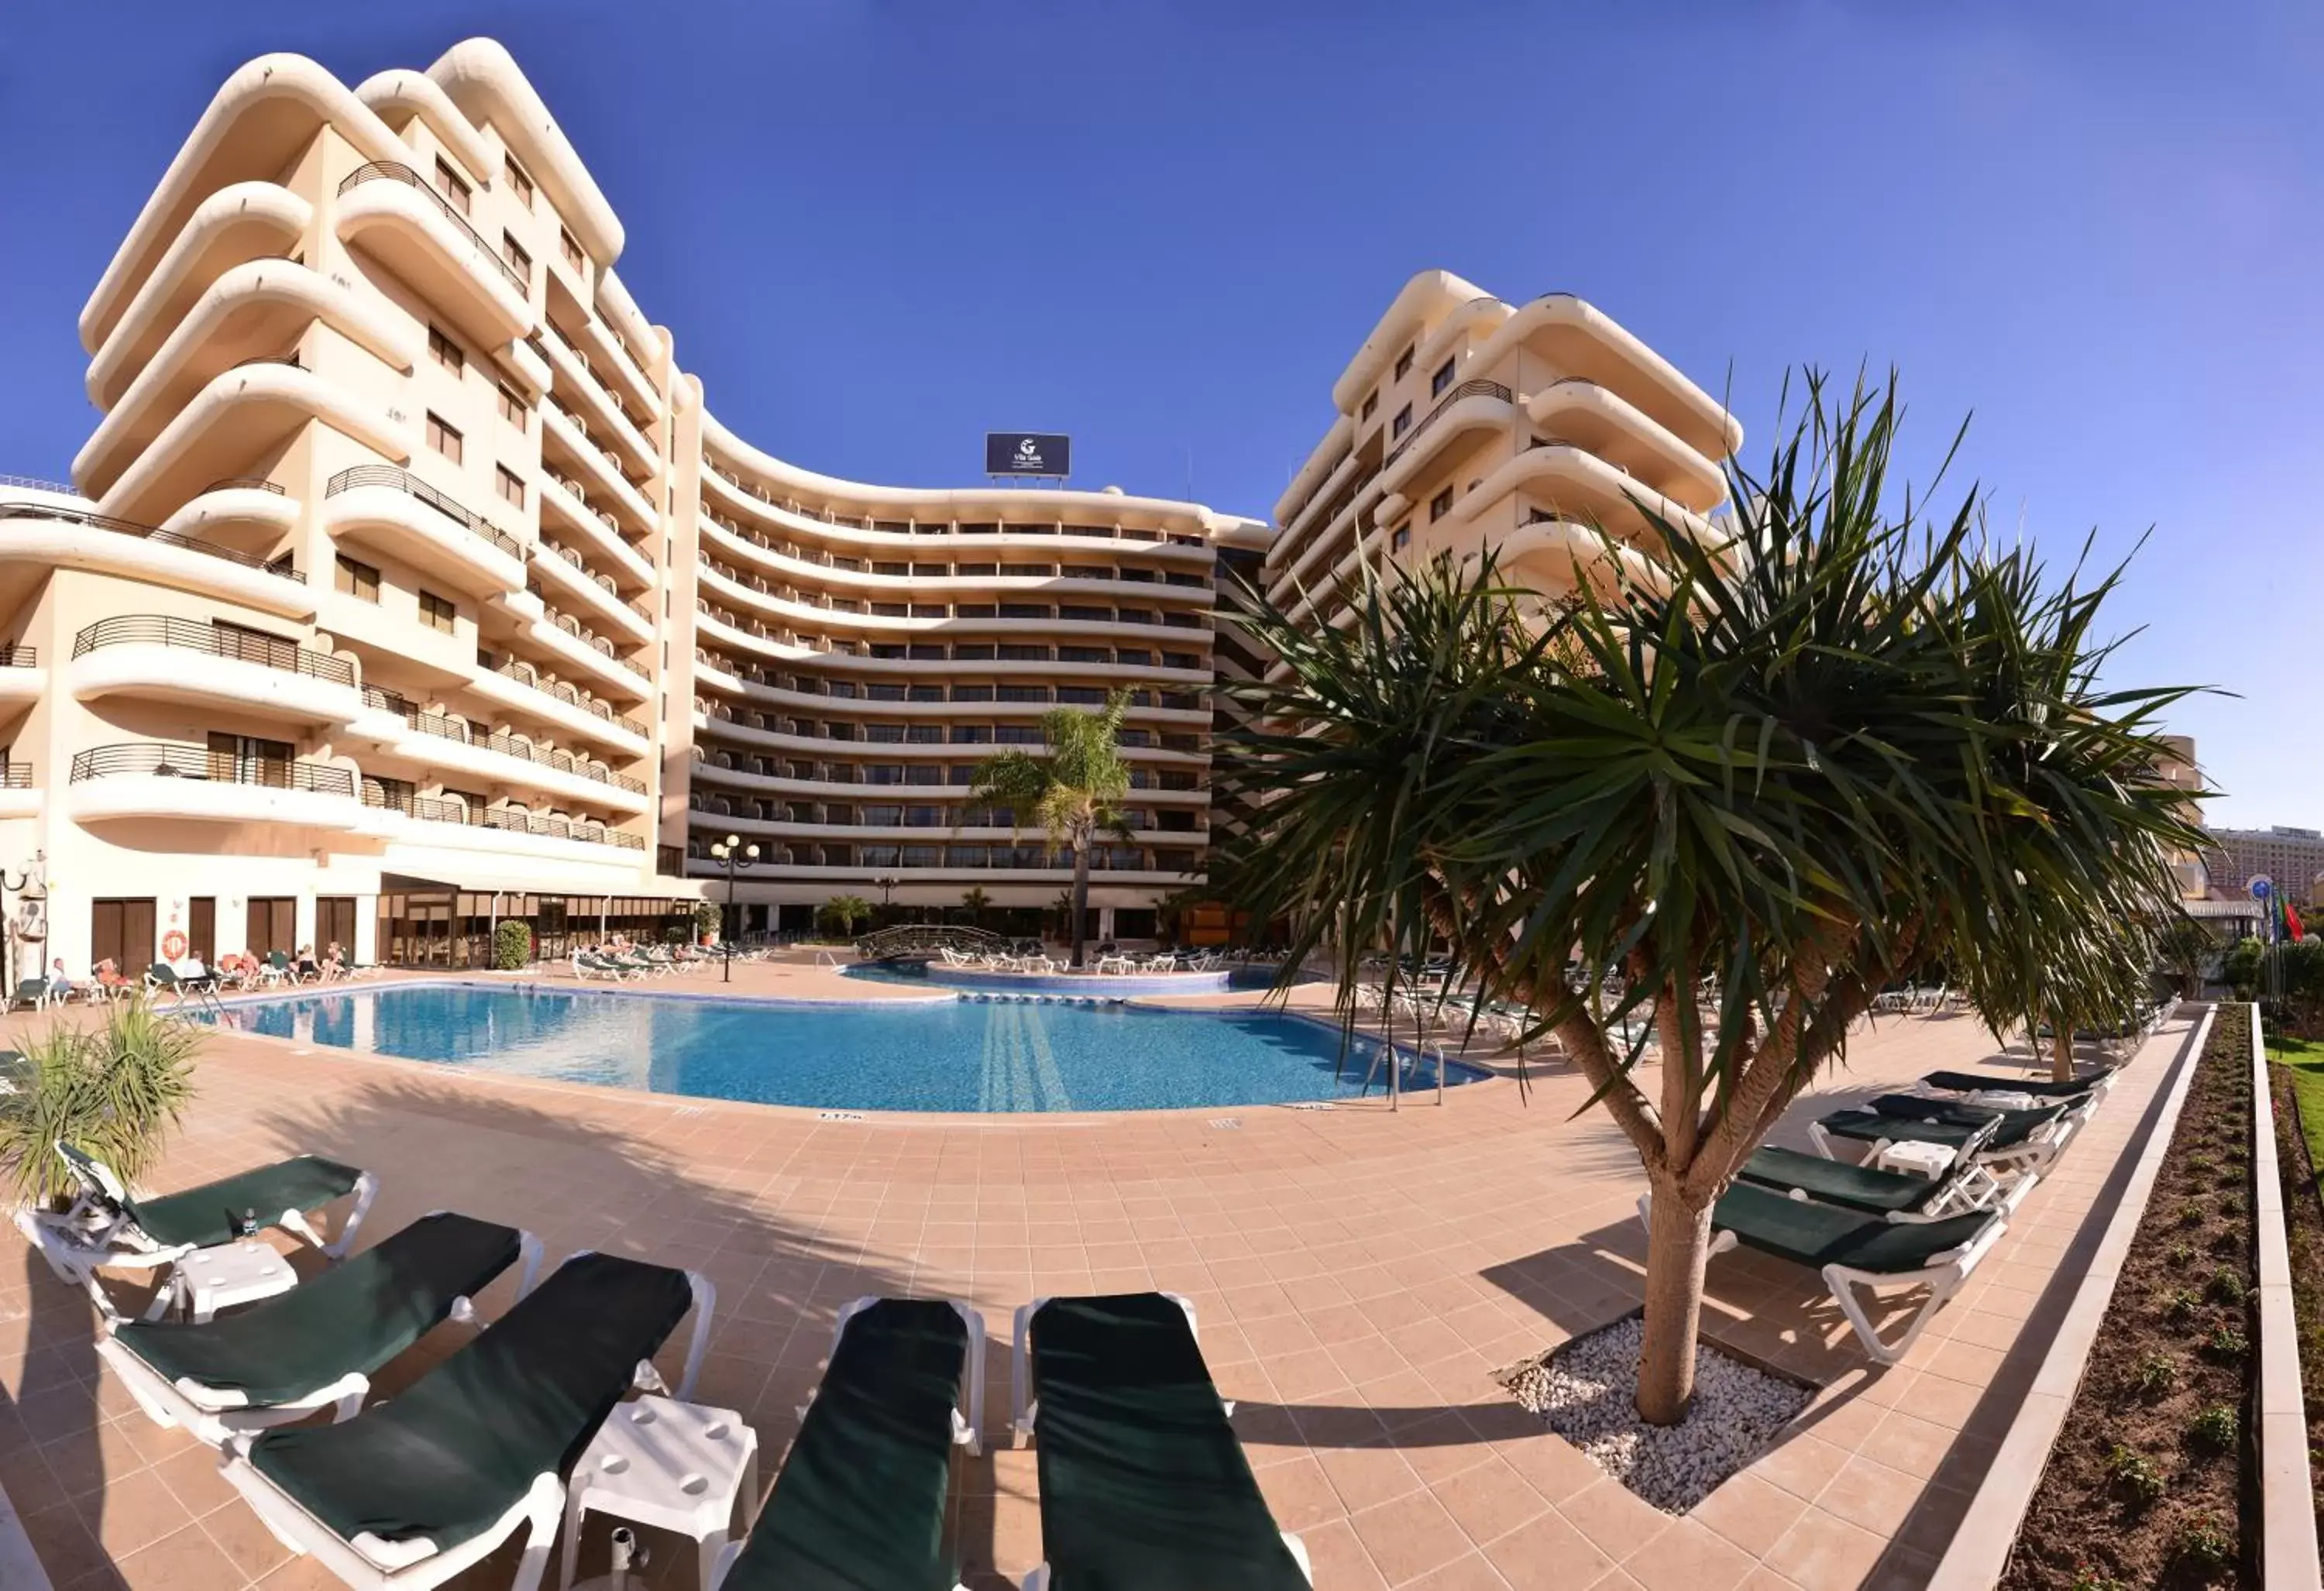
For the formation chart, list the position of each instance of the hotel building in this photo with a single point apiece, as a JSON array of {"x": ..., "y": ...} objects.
[
  {"x": 1544, "y": 431},
  {"x": 407, "y": 584}
]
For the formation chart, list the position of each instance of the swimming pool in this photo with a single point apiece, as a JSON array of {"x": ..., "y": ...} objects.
[{"x": 939, "y": 1054}]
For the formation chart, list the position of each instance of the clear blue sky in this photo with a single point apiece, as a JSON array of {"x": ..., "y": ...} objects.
[{"x": 878, "y": 230}]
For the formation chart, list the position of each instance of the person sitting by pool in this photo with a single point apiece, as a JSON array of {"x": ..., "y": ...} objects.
[
  {"x": 335, "y": 962},
  {"x": 303, "y": 965},
  {"x": 60, "y": 987},
  {"x": 192, "y": 972},
  {"x": 109, "y": 980}
]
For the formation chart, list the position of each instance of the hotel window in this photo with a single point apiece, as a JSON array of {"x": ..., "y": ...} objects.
[
  {"x": 510, "y": 487},
  {"x": 512, "y": 406},
  {"x": 1440, "y": 380},
  {"x": 518, "y": 260},
  {"x": 519, "y": 183},
  {"x": 435, "y": 612},
  {"x": 1400, "y": 537},
  {"x": 1440, "y": 505},
  {"x": 1372, "y": 404},
  {"x": 443, "y": 438},
  {"x": 568, "y": 248},
  {"x": 1404, "y": 364},
  {"x": 445, "y": 352},
  {"x": 358, "y": 579},
  {"x": 454, "y": 190},
  {"x": 1402, "y": 422}
]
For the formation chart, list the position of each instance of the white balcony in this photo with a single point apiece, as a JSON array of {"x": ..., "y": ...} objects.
[
  {"x": 607, "y": 674},
  {"x": 153, "y": 658},
  {"x": 392, "y": 213},
  {"x": 165, "y": 779},
  {"x": 605, "y": 483},
  {"x": 380, "y": 507},
  {"x": 513, "y": 694},
  {"x": 574, "y": 587},
  {"x": 565, "y": 514},
  {"x": 38, "y": 535}
]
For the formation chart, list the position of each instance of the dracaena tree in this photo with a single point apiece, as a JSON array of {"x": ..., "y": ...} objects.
[
  {"x": 1073, "y": 791},
  {"x": 1719, "y": 810}
]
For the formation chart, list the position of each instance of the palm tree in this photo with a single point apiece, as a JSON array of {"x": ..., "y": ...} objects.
[
  {"x": 1074, "y": 792},
  {"x": 846, "y": 910},
  {"x": 1848, "y": 746},
  {"x": 977, "y": 902}
]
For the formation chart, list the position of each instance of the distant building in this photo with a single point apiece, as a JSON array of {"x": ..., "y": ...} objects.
[{"x": 2289, "y": 858}]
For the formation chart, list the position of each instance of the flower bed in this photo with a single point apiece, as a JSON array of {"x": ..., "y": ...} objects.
[{"x": 2149, "y": 1480}]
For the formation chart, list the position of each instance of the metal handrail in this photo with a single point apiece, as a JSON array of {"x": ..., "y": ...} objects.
[
  {"x": 396, "y": 172},
  {"x": 17, "y": 655},
  {"x": 184, "y": 760},
  {"x": 15, "y": 775},
  {"x": 389, "y": 475},
  {"x": 157, "y": 629},
  {"x": 37, "y": 484},
  {"x": 281, "y": 565},
  {"x": 245, "y": 484},
  {"x": 1476, "y": 388}
]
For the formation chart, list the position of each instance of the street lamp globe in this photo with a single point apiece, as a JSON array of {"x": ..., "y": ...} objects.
[
  {"x": 751, "y": 853},
  {"x": 718, "y": 849},
  {"x": 732, "y": 841}
]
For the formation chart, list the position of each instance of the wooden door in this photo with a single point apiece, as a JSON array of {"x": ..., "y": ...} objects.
[
  {"x": 334, "y": 924},
  {"x": 201, "y": 927},
  {"x": 122, "y": 932},
  {"x": 268, "y": 921}
]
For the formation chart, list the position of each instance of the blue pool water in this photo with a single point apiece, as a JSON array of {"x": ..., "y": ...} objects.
[{"x": 937, "y": 1055}]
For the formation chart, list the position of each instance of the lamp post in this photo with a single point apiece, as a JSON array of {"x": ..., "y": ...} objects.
[
  {"x": 732, "y": 855},
  {"x": 886, "y": 884}
]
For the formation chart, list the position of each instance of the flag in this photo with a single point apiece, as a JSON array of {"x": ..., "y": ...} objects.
[{"x": 2291, "y": 923}]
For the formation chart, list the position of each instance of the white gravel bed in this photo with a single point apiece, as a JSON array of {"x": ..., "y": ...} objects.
[{"x": 1586, "y": 1393}]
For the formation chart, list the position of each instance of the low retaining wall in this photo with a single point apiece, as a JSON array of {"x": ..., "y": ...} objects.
[{"x": 2287, "y": 1534}]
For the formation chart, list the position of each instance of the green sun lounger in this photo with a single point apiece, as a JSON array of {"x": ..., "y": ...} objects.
[
  {"x": 1853, "y": 1250},
  {"x": 1894, "y": 1196},
  {"x": 415, "y": 1490},
  {"x": 2001, "y": 1141},
  {"x": 108, "y": 1229},
  {"x": 1144, "y": 1486},
  {"x": 1970, "y": 1082},
  {"x": 861, "y": 1504},
  {"x": 316, "y": 1346}
]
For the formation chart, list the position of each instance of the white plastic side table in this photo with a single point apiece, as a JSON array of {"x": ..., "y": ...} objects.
[
  {"x": 657, "y": 1461},
  {"x": 212, "y": 1279},
  {"x": 1921, "y": 1160}
]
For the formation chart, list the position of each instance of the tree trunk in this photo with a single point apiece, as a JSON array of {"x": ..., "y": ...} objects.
[
  {"x": 2062, "y": 1052},
  {"x": 1080, "y": 900},
  {"x": 1678, "y": 1246}
]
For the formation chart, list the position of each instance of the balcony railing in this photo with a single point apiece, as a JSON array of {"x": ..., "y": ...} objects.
[
  {"x": 455, "y": 729},
  {"x": 1469, "y": 388},
  {"x": 17, "y": 655},
  {"x": 525, "y": 674},
  {"x": 396, "y": 172},
  {"x": 154, "y": 630},
  {"x": 244, "y": 484},
  {"x": 281, "y": 565},
  {"x": 182, "y": 761},
  {"x": 431, "y": 809},
  {"x": 15, "y": 775},
  {"x": 397, "y": 480}
]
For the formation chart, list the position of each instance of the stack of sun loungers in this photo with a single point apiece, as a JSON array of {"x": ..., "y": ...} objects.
[
  {"x": 1864, "y": 1227},
  {"x": 1143, "y": 1484}
]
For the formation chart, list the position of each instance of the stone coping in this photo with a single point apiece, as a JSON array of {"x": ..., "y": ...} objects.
[
  {"x": 2287, "y": 1535},
  {"x": 1979, "y": 1550}
]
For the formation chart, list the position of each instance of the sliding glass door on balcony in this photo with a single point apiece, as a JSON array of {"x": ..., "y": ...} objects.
[{"x": 246, "y": 759}]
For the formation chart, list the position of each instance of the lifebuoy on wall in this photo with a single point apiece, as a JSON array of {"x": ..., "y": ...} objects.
[{"x": 173, "y": 945}]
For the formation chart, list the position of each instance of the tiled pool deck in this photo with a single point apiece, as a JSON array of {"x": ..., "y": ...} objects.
[{"x": 1360, "y": 1277}]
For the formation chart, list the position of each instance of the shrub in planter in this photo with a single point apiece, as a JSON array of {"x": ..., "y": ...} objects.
[
  {"x": 115, "y": 1090},
  {"x": 2214, "y": 1427},
  {"x": 512, "y": 945},
  {"x": 2135, "y": 1475},
  {"x": 706, "y": 921}
]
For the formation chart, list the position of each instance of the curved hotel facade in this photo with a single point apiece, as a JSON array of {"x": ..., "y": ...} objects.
[{"x": 408, "y": 583}]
